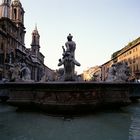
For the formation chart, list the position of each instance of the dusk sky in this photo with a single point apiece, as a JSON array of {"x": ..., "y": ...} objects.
[{"x": 99, "y": 28}]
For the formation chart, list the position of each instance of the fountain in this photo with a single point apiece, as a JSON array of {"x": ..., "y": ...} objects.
[{"x": 68, "y": 95}]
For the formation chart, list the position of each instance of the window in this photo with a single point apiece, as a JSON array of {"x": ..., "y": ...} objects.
[
  {"x": 2, "y": 59},
  {"x": 129, "y": 60},
  {"x": 2, "y": 47},
  {"x": 3, "y": 27},
  {"x": 21, "y": 15},
  {"x": 15, "y": 14},
  {"x": 137, "y": 67},
  {"x": 134, "y": 59},
  {"x": 0, "y": 75}
]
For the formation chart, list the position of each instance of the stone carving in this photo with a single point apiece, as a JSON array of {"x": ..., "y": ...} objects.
[
  {"x": 68, "y": 59},
  {"x": 25, "y": 73},
  {"x": 14, "y": 72},
  {"x": 11, "y": 57},
  {"x": 43, "y": 78},
  {"x": 17, "y": 72},
  {"x": 118, "y": 72}
]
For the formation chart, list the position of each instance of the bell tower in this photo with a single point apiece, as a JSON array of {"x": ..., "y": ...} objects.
[
  {"x": 35, "y": 45},
  {"x": 5, "y": 8},
  {"x": 17, "y": 16},
  {"x": 17, "y": 12}
]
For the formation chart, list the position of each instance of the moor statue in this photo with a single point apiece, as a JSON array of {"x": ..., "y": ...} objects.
[{"x": 68, "y": 59}]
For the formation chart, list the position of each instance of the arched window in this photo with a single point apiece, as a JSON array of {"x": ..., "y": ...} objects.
[
  {"x": 34, "y": 39},
  {"x": 1, "y": 54},
  {"x": 0, "y": 75},
  {"x": 3, "y": 27},
  {"x": 2, "y": 47},
  {"x": 21, "y": 17},
  {"x": 15, "y": 14}
]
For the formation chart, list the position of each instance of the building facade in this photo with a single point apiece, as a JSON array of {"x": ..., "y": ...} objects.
[
  {"x": 104, "y": 69},
  {"x": 12, "y": 43},
  {"x": 12, "y": 32},
  {"x": 130, "y": 54},
  {"x": 92, "y": 74}
]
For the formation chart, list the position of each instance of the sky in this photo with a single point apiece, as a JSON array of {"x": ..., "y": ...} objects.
[{"x": 99, "y": 28}]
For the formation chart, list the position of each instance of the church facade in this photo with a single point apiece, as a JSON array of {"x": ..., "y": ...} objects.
[{"x": 12, "y": 42}]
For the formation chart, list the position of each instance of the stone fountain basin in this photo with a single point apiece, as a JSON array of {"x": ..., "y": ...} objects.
[{"x": 68, "y": 96}]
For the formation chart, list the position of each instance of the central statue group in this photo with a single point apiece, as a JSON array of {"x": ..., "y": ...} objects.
[{"x": 68, "y": 59}]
